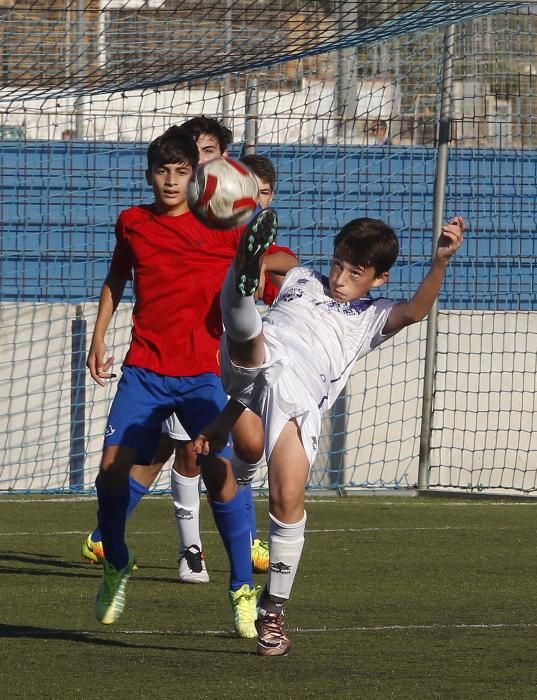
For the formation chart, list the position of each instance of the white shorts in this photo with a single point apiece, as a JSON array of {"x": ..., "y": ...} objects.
[
  {"x": 172, "y": 426},
  {"x": 275, "y": 393},
  {"x": 175, "y": 430}
]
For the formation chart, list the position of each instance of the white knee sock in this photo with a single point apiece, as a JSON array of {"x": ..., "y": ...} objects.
[
  {"x": 239, "y": 314},
  {"x": 186, "y": 502},
  {"x": 244, "y": 472},
  {"x": 285, "y": 544}
]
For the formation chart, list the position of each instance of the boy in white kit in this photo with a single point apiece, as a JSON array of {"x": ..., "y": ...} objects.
[{"x": 290, "y": 368}]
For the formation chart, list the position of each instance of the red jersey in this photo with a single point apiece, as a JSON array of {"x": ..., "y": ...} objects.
[
  {"x": 271, "y": 290},
  {"x": 178, "y": 266}
]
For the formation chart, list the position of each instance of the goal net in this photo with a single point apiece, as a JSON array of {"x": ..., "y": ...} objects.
[{"x": 345, "y": 98}]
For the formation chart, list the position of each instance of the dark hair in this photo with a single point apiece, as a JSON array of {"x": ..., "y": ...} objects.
[
  {"x": 175, "y": 145},
  {"x": 367, "y": 243},
  {"x": 211, "y": 126},
  {"x": 261, "y": 166}
]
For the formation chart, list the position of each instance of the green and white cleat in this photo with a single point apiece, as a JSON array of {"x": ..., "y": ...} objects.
[
  {"x": 255, "y": 240},
  {"x": 110, "y": 601},
  {"x": 244, "y": 604}
]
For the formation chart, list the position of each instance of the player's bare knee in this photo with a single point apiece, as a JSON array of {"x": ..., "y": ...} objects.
[
  {"x": 250, "y": 452},
  {"x": 286, "y": 505}
]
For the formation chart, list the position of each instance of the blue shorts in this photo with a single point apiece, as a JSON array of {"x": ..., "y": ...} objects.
[{"x": 145, "y": 399}]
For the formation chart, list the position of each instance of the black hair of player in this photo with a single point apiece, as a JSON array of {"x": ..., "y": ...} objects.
[
  {"x": 261, "y": 166},
  {"x": 367, "y": 243},
  {"x": 209, "y": 125},
  {"x": 175, "y": 145}
]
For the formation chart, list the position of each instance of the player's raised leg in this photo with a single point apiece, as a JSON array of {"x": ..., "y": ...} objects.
[{"x": 244, "y": 337}]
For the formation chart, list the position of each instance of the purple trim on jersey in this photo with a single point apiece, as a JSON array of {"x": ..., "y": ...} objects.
[{"x": 356, "y": 306}]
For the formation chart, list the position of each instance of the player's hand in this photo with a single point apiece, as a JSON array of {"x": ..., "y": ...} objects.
[
  {"x": 99, "y": 368},
  {"x": 213, "y": 438},
  {"x": 451, "y": 238}
]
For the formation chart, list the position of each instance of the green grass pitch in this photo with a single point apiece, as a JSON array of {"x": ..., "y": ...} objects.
[{"x": 395, "y": 598}]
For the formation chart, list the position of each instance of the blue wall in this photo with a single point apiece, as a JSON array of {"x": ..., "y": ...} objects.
[{"x": 60, "y": 200}]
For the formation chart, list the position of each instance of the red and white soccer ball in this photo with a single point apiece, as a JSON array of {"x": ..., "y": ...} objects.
[{"x": 223, "y": 193}]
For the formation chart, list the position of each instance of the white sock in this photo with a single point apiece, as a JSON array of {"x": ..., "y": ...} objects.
[
  {"x": 286, "y": 541},
  {"x": 186, "y": 502},
  {"x": 239, "y": 314},
  {"x": 244, "y": 472}
]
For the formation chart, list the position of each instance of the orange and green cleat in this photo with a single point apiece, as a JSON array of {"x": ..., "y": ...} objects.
[
  {"x": 260, "y": 556},
  {"x": 92, "y": 552}
]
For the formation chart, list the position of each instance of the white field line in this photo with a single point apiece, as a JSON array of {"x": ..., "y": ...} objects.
[
  {"x": 321, "y": 531},
  {"x": 295, "y": 630},
  {"x": 367, "y": 499}
]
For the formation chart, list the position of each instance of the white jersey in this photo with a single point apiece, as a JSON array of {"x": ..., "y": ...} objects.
[
  {"x": 311, "y": 344},
  {"x": 324, "y": 337}
]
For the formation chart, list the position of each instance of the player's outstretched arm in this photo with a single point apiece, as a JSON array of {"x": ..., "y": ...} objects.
[
  {"x": 214, "y": 437},
  {"x": 111, "y": 293},
  {"x": 408, "y": 312}
]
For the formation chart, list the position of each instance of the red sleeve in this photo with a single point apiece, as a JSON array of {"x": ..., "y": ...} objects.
[
  {"x": 271, "y": 291},
  {"x": 279, "y": 249},
  {"x": 121, "y": 265}
]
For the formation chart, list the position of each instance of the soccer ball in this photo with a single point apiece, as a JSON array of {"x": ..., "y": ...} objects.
[{"x": 223, "y": 193}]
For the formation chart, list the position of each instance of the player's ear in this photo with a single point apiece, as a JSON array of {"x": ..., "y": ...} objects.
[
  {"x": 149, "y": 177},
  {"x": 380, "y": 280}
]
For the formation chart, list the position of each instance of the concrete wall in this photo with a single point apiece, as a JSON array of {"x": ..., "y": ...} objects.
[{"x": 484, "y": 411}]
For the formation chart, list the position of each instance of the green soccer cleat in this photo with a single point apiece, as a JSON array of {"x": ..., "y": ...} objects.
[
  {"x": 244, "y": 604},
  {"x": 260, "y": 556},
  {"x": 255, "y": 240},
  {"x": 110, "y": 600},
  {"x": 92, "y": 552}
]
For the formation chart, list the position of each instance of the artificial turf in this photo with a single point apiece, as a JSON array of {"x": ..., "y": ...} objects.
[{"x": 395, "y": 598}]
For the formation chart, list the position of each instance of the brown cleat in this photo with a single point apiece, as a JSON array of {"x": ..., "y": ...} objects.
[{"x": 272, "y": 638}]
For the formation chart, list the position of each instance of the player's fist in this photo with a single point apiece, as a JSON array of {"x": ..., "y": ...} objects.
[{"x": 451, "y": 237}]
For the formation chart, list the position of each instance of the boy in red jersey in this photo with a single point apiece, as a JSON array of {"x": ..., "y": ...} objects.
[
  {"x": 178, "y": 266},
  {"x": 212, "y": 139}
]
